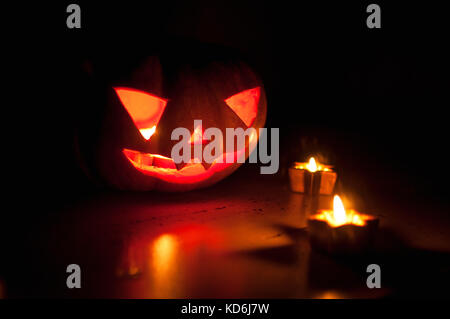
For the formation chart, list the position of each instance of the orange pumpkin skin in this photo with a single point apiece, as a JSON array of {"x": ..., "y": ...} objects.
[{"x": 196, "y": 89}]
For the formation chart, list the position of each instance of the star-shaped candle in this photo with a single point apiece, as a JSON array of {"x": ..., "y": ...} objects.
[
  {"x": 341, "y": 230},
  {"x": 312, "y": 178}
]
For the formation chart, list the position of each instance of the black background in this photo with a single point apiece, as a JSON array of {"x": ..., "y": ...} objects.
[{"x": 371, "y": 101}]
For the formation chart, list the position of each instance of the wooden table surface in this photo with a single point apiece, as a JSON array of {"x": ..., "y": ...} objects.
[{"x": 244, "y": 237}]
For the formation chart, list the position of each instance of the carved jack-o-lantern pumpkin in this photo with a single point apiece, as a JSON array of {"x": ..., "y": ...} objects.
[{"x": 142, "y": 107}]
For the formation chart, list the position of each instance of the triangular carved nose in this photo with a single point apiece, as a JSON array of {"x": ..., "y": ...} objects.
[{"x": 197, "y": 136}]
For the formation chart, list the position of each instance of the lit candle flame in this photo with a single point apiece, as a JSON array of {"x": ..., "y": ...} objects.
[
  {"x": 339, "y": 214},
  {"x": 312, "y": 165}
]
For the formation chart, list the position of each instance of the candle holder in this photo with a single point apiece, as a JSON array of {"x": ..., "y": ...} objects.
[
  {"x": 341, "y": 231},
  {"x": 343, "y": 239},
  {"x": 309, "y": 178}
]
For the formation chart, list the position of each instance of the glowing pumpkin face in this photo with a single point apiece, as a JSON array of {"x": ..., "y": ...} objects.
[{"x": 144, "y": 108}]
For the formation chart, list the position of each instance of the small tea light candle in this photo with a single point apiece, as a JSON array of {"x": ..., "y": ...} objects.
[
  {"x": 312, "y": 178},
  {"x": 340, "y": 230}
]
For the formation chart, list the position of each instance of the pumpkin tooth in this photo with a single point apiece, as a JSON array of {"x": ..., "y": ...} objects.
[
  {"x": 139, "y": 159},
  {"x": 163, "y": 162},
  {"x": 182, "y": 165},
  {"x": 193, "y": 169},
  {"x": 206, "y": 165}
]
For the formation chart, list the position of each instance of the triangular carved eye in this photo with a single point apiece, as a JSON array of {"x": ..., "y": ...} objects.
[
  {"x": 144, "y": 108},
  {"x": 245, "y": 104}
]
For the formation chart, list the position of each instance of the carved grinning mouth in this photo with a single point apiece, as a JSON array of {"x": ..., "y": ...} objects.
[{"x": 165, "y": 168}]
